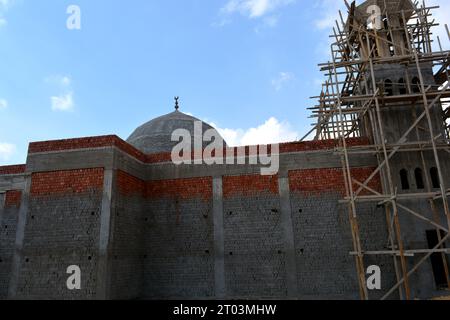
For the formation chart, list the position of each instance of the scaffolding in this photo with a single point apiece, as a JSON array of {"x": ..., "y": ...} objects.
[{"x": 352, "y": 104}]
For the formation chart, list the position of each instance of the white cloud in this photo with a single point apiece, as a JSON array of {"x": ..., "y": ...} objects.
[
  {"x": 271, "y": 21},
  {"x": 66, "y": 81},
  {"x": 3, "y": 104},
  {"x": 59, "y": 80},
  {"x": 254, "y": 8},
  {"x": 282, "y": 79},
  {"x": 6, "y": 151},
  {"x": 272, "y": 131},
  {"x": 267, "y": 22},
  {"x": 4, "y": 7},
  {"x": 63, "y": 102},
  {"x": 328, "y": 13},
  {"x": 6, "y": 4}
]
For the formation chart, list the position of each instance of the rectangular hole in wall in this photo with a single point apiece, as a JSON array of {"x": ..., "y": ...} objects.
[{"x": 436, "y": 259}]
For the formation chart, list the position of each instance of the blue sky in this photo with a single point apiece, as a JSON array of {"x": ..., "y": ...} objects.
[{"x": 247, "y": 66}]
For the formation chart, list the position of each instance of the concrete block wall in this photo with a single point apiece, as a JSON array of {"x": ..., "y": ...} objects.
[
  {"x": 323, "y": 236},
  {"x": 11, "y": 194},
  {"x": 255, "y": 261},
  {"x": 374, "y": 236},
  {"x": 9, "y": 209},
  {"x": 127, "y": 255},
  {"x": 61, "y": 229},
  {"x": 322, "y": 245},
  {"x": 178, "y": 239}
]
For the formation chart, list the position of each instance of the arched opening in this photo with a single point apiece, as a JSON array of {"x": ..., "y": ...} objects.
[
  {"x": 402, "y": 86},
  {"x": 435, "y": 178},
  {"x": 404, "y": 179},
  {"x": 418, "y": 173},
  {"x": 388, "y": 87},
  {"x": 415, "y": 85}
]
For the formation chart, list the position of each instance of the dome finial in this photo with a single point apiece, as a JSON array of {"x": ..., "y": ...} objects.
[{"x": 177, "y": 106}]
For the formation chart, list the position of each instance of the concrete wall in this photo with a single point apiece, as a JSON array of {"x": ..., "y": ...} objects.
[
  {"x": 61, "y": 228},
  {"x": 178, "y": 239},
  {"x": 9, "y": 208},
  {"x": 323, "y": 238},
  {"x": 255, "y": 261},
  {"x": 127, "y": 255},
  {"x": 12, "y": 183}
]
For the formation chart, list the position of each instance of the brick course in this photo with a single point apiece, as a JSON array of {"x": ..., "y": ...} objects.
[
  {"x": 249, "y": 185},
  {"x": 316, "y": 181},
  {"x": 13, "y": 199},
  {"x": 180, "y": 188},
  {"x": 66, "y": 182},
  {"x": 128, "y": 185},
  {"x": 15, "y": 169},
  {"x": 112, "y": 140}
]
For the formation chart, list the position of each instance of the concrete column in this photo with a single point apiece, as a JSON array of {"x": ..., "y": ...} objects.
[
  {"x": 20, "y": 236},
  {"x": 2, "y": 206},
  {"x": 286, "y": 220},
  {"x": 219, "y": 242},
  {"x": 106, "y": 222}
]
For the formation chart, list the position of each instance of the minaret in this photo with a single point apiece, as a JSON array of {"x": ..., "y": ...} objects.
[
  {"x": 382, "y": 87},
  {"x": 398, "y": 77}
]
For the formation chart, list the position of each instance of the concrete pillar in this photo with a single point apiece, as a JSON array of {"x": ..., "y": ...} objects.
[
  {"x": 286, "y": 220},
  {"x": 219, "y": 242},
  {"x": 106, "y": 227},
  {"x": 2, "y": 206},
  {"x": 20, "y": 236}
]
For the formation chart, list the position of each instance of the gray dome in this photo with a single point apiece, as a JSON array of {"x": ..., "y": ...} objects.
[{"x": 155, "y": 136}]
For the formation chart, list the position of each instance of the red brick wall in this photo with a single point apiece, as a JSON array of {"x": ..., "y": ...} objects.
[
  {"x": 13, "y": 199},
  {"x": 63, "y": 182},
  {"x": 86, "y": 143},
  {"x": 323, "y": 180},
  {"x": 16, "y": 169},
  {"x": 128, "y": 185},
  {"x": 180, "y": 188},
  {"x": 112, "y": 140},
  {"x": 249, "y": 185},
  {"x": 320, "y": 145},
  {"x": 284, "y": 148}
]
